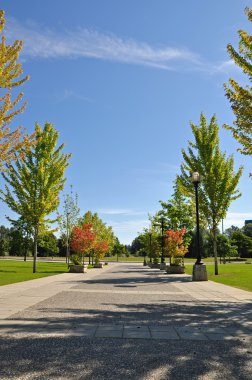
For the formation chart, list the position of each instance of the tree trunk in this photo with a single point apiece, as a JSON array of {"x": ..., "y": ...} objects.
[
  {"x": 35, "y": 250},
  {"x": 215, "y": 251}
]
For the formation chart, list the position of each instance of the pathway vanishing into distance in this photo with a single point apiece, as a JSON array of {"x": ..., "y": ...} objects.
[{"x": 124, "y": 321}]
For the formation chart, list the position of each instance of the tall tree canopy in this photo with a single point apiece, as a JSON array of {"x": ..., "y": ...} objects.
[
  {"x": 12, "y": 142},
  {"x": 240, "y": 97},
  {"x": 34, "y": 183},
  {"x": 219, "y": 180}
]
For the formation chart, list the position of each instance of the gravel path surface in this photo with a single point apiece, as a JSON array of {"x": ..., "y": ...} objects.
[{"x": 153, "y": 317}]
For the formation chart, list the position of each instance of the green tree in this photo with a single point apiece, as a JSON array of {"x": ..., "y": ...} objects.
[
  {"x": 104, "y": 233},
  {"x": 68, "y": 219},
  {"x": 243, "y": 244},
  {"x": 247, "y": 229},
  {"x": 47, "y": 244},
  {"x": 136, "y": 245},
  {"x": 229, "y": 231},
  {"x": 225, "y": 248},
  {"x": 21, "y": 242},
  {"x": 119, "y": 249},
  {"x": 240, "y": 97},
  {"x": 219, "y": 180},
  {"x": 34, "y": 183},
  {"x": 4, "y": 241},
  {"x": 179, "y": 211},
  {"x": 152, "y": 244}
]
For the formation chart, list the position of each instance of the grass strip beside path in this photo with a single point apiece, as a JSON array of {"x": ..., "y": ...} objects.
[
  {"x": 17, "y": 271},
  {"x": 237, "y": 275}
]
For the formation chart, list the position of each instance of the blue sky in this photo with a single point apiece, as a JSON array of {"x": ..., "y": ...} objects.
[{"x": 121, "y": 80}]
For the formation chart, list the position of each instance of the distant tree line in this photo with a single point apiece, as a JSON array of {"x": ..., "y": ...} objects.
[
  {"x": 14, "y": 242},
  {"x": 234, "y": 243}
]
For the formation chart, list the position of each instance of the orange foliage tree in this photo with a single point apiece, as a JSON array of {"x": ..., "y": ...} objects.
[
  {"x": 100, "y": 248},
  {"x": 175, "y": 246},
  {"x": 82, "y": 239}
]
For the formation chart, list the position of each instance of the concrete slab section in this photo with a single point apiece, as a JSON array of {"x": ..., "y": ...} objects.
[
  {"x": 137, "y": 332},
  {"x": 105, "y": 332},
  {"x": 190, "y": 333},
  {"x": 170, "y": 333}
]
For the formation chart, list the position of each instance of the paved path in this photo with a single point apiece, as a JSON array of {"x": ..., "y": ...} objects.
[{"x": 124, "y": 322}]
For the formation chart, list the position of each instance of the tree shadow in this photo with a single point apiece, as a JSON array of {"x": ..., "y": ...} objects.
[
  {"x": 161, "y": 312},
  {"x": 24, "y": 355},
  {"x": 114, "y": 359}
]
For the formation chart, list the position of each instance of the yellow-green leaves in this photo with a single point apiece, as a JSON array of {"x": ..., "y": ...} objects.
[
  {"x": 240, "y": 97},
  {"x": 219, "y": 180},
  {"x": 12, "y": 143},
  {"x": 36, "y": 180}
]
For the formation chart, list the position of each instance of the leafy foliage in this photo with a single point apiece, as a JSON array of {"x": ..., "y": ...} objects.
[
  {"x": 247, "y": 230},
  {"x": 175, "y": 246},
  {"x": 240, "y": 97},
  {"x": 104, "y": 237},
  {"x": 243, "y": 244},
  {"x": 178, "y": 211},
  {"x": 12, "y": 143},
  {"x": 82, "y": 238},
  {"x": 36, "y": 181},
  {"x": 225, "y": 248},
  {"x": 151, "y": 242},
  {"x": 219, "y": 180},
  {"x": 47, "y": 244},
  {"x": 68, "y": 219}
]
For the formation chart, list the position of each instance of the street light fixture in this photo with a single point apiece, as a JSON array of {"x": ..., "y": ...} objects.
[
  {"x": 150, "y": 236},
  {"x": 199, "y": 268},
  {"x": 162, "y": 232},
  {"x": 67, "y": 239},
  {"x": 196, "y": 181}
]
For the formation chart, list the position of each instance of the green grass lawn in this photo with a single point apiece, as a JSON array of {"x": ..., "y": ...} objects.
[
  {"x": 238, "y": 275},
  {"x": 16, "y": 271}
]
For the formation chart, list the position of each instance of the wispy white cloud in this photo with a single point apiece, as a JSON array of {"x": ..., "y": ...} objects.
[
  {"x": 41, "y": 42},
  {"x": 225, "y": 67},
  {"x": 120, "y": 211},
  {"x": 70, "y": 94}
]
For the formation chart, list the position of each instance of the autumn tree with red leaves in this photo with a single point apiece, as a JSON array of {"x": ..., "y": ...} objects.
[
  {"x": 82, "y": 240},
  {"x": 100, "y": 248},
  {"x": 175, "y": 243}
]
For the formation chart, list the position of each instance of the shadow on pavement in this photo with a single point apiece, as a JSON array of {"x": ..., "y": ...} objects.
[
  {"x": 179, "y": 313},
  {"x": 114, "y": 359}
]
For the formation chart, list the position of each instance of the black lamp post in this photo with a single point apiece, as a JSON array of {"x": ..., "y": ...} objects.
[
  {"x": 162, "y": 232},
  {"x": 196, "y": 180},
  {"x": 67, "y": 239},
  {"x": 150, "y": 236}
]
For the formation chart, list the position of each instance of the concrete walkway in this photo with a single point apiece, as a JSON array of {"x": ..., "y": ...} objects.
[{"x": 125, "y": 321}]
